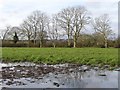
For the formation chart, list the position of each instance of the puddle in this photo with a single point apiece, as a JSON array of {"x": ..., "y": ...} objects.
[{"x": 30, "y": 75}]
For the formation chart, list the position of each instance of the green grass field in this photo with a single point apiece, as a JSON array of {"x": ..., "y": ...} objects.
[{"x": 89, "y": 56}]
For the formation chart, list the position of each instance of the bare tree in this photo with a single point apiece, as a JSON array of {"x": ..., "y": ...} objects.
[
  {"x": 15, "y": 38},
  {"x": 26, "y": 30},
  {"x": 64, "y": 18},
  {"x": 17, "y": 30},
  {"x": 79, "y": 20},
  {"x": 42, "y": 27},
  {"x": 35, "y": 26},
  {"x": 33, "y": 21},
  {"x": 54, "y": 30},
  {"x": 73, "y": 20},
  {"x": 41, "y": 37},
  {"x": 5, "y": 32},
  {"x": 8, "y": 33},
  {"x": 102, "y": 25}
]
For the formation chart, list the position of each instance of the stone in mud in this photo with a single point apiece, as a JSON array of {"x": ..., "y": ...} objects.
[
  {"x": 56, "y": 77},
  {"x": 106, "y": 66},
  {"x": 19, "y": 83},
  {"x": 117, "y": 69},
  {"x": 72, "y": 65},
  {"x": 80, "y": 69},
  {"x": 18, "y": 70},
  {"x": 11, "y": 68},
  {"x": 4, "y": 88},
  {"x": 32, "y": 81},
  {"x": 56, "y": 84},
  {"x": 50, "y": 80},
  {"x": 4, "y": 68},
  {"x": 96, "y": 68},
  {"x": 56, "y": 73},
  {"x": 64, "y": 65},
  {"x": 40, "y": 77},
  {"x": 9, "y": 83},
  {"x": 85, "y": 68},
  {"x": 102, "y": 74},
  {"x": 71, "y": 70}
]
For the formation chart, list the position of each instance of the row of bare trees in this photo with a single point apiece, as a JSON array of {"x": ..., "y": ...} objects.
[{"x": 69, "y": 22}]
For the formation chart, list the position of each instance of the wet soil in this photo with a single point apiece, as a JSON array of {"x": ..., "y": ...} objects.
[{"x": 26, "y": 75}]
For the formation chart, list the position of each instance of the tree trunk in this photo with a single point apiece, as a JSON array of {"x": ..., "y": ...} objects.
[
  {"x": 68, "y": 42},
  {"x": 75, "y": 41},
  {"x": 28, "y": 41},
  {"x": 105, "y": 42},
  {"x": 54, "y": 45},
  {"x": 41, "y": 44},
  {"x": 68, "y": 33},
  {"x": 35, "y": 34},
  {"x": 34, "y": 42}
]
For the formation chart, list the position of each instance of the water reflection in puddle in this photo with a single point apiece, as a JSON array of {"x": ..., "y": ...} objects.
[{"x": 62, "y": 77}]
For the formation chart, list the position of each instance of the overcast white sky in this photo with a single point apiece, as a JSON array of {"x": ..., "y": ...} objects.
[{"x": 13, "y": 12}]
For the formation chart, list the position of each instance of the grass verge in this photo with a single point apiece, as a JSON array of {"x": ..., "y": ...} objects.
[{"x": 88, "y": 56}]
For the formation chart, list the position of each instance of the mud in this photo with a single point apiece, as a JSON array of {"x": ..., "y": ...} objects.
[{"x": 30, "y": 75}]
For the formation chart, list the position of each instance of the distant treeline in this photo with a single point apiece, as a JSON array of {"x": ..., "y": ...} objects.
[
  {"x": 63, "y": 29},
  {"x": 85, "y": 40}
]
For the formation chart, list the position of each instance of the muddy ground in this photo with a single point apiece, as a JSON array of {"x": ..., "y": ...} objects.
[{"x": 57, "y": 76}]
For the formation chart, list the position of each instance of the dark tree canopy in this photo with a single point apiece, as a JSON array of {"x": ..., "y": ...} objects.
[{"x": 15, "y": 38}]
